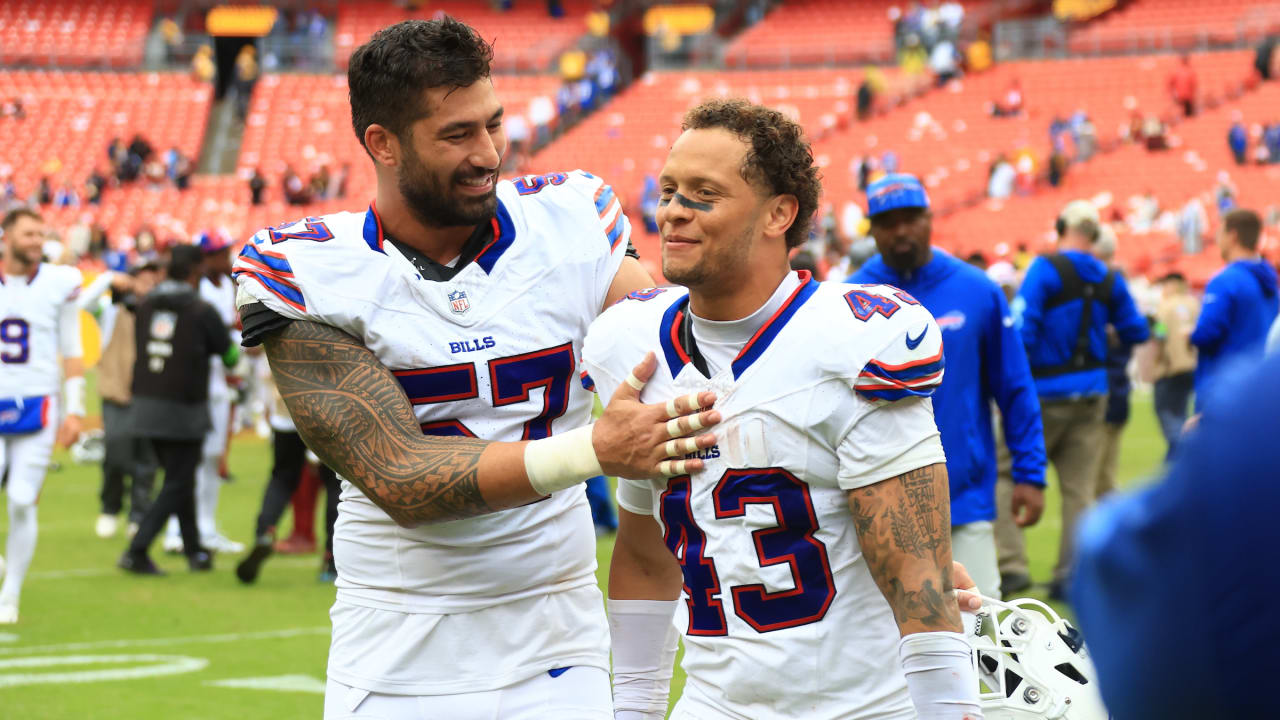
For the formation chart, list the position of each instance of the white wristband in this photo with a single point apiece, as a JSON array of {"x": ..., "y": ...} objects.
[
  {"x": 941, "y": 676},
  {"x": 561, "y": 461},
  {"x": 73, "y": 395}
]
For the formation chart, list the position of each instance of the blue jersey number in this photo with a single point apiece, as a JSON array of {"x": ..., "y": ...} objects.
[
  {"x": 313, "y": 229},
  {"x": 791, "y": 542},
  {"x": 15, "y": 334},
  {"x": 531, "y": 184},
  {"x": 512, "y": 378},
  {"x": 865, "y": 305}
]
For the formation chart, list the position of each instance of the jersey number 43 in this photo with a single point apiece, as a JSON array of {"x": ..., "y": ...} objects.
[{"x": 791, "y": 542}]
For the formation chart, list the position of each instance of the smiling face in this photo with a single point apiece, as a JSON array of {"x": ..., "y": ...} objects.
[
  {"x": 24, "y": 243},
  {"x": 448, "y": 161},
  {"x": 709, "y": 216},
  {"x": 902, "y": 237}
]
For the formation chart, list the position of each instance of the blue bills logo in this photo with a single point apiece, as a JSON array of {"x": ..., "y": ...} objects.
[{"x": 458, "y": 302}]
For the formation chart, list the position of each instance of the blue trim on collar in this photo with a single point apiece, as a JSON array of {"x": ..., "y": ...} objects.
[
  {"x": 504, "y": 235},
  {"x": 756, "y": 346},
  {"x": 668, "y": 336},
  {"x": 373, "y": 229}
]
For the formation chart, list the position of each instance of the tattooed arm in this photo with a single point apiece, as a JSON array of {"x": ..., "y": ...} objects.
[
  {"x": 354, "y": 415},
  {"x": 904, "y": 528}
]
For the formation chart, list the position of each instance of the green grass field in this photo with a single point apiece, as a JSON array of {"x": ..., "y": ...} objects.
[{"x": 94, "y": 643}]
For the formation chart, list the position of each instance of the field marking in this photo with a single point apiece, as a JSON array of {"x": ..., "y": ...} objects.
[
  {"x": 159, "y": 642},
  {"x": 8, "y": 637},
  {"x": 162, "y": 665},
  {"x": 283, "y": 683}
]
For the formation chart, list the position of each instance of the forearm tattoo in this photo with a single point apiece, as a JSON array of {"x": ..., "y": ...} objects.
[
  {"x": 904, "y": 529},
  {"x": 353, "y": 414}
]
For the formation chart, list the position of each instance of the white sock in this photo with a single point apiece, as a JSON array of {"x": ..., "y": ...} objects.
[
  {"x": 208, "y": 485},
  {"x": 23, "y": 528}
]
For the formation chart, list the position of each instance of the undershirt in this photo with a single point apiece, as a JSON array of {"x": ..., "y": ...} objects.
[{"x": 720, "y": 341}]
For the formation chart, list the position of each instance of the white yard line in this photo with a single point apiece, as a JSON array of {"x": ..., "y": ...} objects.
[
  {"x": 102, "y": 571},
  {"x": 160, "y": 642}
]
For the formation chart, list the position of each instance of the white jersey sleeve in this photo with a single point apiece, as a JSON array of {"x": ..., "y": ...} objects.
[
  {"x": 592, "y": 206},
  {"x": 893, "y": 430}
]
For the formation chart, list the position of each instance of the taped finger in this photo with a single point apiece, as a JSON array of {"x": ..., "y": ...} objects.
[
  {"x": 634, "y": 381},
  {"x": 680, "y": 447},
  {"x": 672, "y": 468},
  {"x": 691, "y": 401}
]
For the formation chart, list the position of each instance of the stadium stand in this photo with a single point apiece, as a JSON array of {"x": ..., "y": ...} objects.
[
  {"x": 71, "y": 33},
  {"x": 1177, "y": 24},
  {"x": 524, "y": 37}
]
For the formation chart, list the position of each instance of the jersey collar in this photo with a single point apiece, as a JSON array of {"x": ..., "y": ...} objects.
[
  {"x": 31, "y": 276},
  {"x": 488, "y": 243},
  {"x": 676, "y": 337}
]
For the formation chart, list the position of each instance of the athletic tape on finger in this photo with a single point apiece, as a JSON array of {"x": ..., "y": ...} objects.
[
  {"x": 672, "y": 468},
  {"x": 680, "y": 447},
  {"x": 635, "y": 382},
  {"x": 673, "y": 409}
]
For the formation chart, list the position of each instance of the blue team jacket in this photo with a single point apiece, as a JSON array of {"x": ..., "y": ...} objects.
[
  {"x": 1049, "y": 335},
  {"x": 985, "y": 361},
  {"x": 1239, "y": 306},
  {"x": 1180, "y": 575}
]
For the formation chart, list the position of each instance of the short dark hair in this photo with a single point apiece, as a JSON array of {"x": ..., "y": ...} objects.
[
  {"x": 184, "y": 260},
  {"x": 779, "y": 158},
  {"x": 17, "y": 214},
  {"x": 387, "y": 75},
  {"x": 1246, "y": 225}
]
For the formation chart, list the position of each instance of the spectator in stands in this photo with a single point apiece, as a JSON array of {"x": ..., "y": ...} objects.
[
  {"x": 66, "y": 196},
  {"x": 153, "y": 173},
  {"x": 182, "y": 171},
  {"x": 889, "y": 162},
  {"x": 1240, "y": 304},
  {"x": 1224, "y": 193},
  {"x": 1175, "y": 357},
  {"x": 1011, "y": 103},
  {"x": 1238, "y": 139},
  {"x": 257, "y": 184},
  {"x": 1066, "y": 302},
  {"x": 864, "y": 102},
  {"x": 295, "y": 191},
  {"x": 985, "y": 362},
  {"x": 978, "y": 54},
  {"x": 1153, "y": 134},
  {"x": 93, "y": 187},
  {"x": 649, "y": 197},
  {"x": 13, "y": 109},
  {"x": 944, "y": 61},
  {"x": 1119, "y": 354},
  {"x": 951, "y": 14},
  {"x": 172, "y": 35},
  {"x": 913, "y": 58},
  {"x": 203, "y": 68},
  {"x": 1193, "y": 221},
  {"x": 318, "y": 186},
  {"x": 1000, "y": 180},
  {"x": 1057, "y": 168},
  {"x": 1262, "y": 58},
  {"x": 518, "y": 136},
  {"x": 542, "y": 113},
  {"x": 338, "y": 184},
  {"x": 1182, "y": 86},
  {"x": 127, "y": 455},
  {"x": 140, "y": 150},
  {"x": 246, "y": 74},
  {"x": 1271, "y": 139},
  {"x": 44, "y": 192}
]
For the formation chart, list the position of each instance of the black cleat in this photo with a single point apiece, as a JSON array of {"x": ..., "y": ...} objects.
[
  {"x": 200, "y": 561},
  {"x": 138, "y": 564},
  {"x": 251, "y": 565},
  {"x": 1014, "y": 583}
]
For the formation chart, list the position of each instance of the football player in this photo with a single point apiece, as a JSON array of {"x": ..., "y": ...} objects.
[
  {"x": 39, "y": 321},
  {"x": 449, "y": 313},
  {"x": 809, "y": 548}
]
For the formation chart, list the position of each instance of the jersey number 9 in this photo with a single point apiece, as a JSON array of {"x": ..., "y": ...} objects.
[{"x": 15, "y": 334}]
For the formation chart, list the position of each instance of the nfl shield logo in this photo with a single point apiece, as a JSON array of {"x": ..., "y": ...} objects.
[{"x": 458, "y": 302}]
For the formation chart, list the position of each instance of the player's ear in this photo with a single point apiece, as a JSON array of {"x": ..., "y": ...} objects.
[
  {"x": 780, "y": 214},
  {"x": 383, "y": 145}
]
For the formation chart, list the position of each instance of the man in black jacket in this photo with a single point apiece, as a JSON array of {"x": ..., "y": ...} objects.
[{"x": 176, "y": 334}]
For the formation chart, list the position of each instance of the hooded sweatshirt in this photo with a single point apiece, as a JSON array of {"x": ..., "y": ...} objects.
[
  {"x": 1240, "y": 303},
  {"x": 985, "y": 361}
]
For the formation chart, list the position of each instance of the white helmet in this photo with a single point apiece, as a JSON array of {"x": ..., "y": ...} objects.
[
  {"x": 1032, "y": 664},
  {"x": 89, "y": 448}
]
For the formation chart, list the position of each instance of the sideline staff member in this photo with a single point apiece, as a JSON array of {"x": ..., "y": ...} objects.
[
  {"x": 1066, "y": 303},
  {"x": 176, "y": 334}
]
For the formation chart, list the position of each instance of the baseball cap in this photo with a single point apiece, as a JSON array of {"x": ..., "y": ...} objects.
[
  {"x": 212, "y": 242},
  {"x": 1077, "y": 211},
  {"x": 897, "y": 190}
]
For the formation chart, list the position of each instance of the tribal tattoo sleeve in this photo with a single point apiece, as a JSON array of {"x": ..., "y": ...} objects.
[{"x": 354, "y": 415}]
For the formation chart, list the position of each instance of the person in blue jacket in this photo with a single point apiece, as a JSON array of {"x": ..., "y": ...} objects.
[
  {"x": 1066, "y": 302},
  {"x": 985, "y": 361},
  {"x": 1240, "y": 303},
  {"x": 1174, "y": 588}
]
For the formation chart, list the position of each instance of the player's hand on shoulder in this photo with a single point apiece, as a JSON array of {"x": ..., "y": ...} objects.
[{"x": 635, "y": 440}]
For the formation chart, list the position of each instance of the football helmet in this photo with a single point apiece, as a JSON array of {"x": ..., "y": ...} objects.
[
  {"x": 1032, "y": 664},
  {"x": 90, "y": 448}
]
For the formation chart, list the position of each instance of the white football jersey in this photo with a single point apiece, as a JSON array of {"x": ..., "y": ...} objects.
[
  {"x": 38, "y": 324},
  {"x": 491, "y": 353},
  {"x": 223, "y": 299},
  {"x": 782, "y": 618}
]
